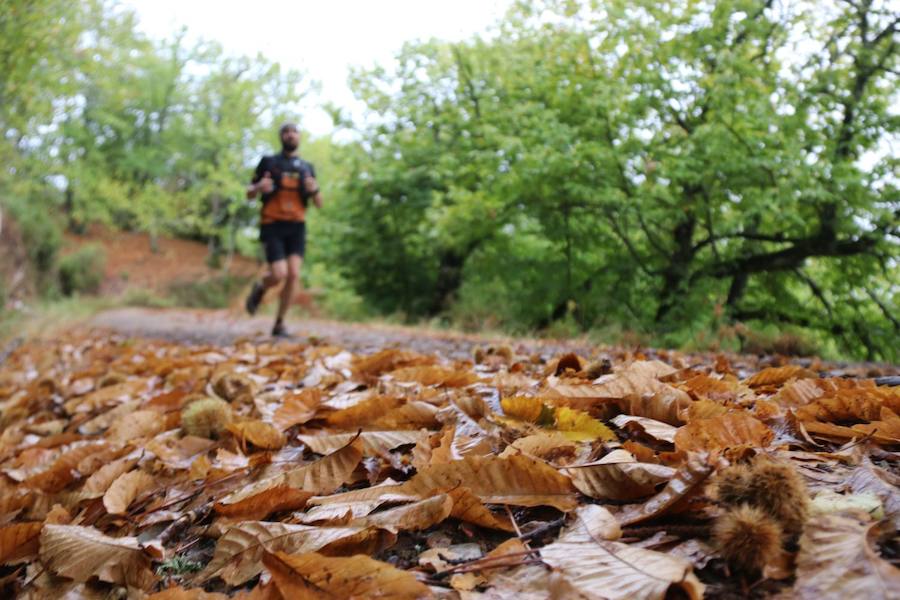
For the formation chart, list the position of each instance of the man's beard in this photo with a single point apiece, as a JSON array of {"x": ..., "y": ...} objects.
[{"x": 288, "y": 146}]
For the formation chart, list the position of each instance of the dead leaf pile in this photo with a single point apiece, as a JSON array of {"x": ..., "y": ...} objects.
[{"x": 405, "y": 475}]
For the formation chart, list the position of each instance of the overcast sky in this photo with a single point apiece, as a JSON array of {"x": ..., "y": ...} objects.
[{"x": 322, "y": 38}]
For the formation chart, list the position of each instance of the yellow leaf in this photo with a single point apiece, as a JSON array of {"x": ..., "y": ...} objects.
[
  {"x": 580, "y": 426},
  {"x": 520, "y": 407}
]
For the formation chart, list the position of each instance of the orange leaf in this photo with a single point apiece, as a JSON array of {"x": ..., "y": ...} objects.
[
  {"x": 725, "y": 431},
  {"x": 297, "y": 409},
  {"x": 322, "y": 476},
  {"x": 313, "y": 575},
  {"x": 258, "y": 506},
  {"x": 18, "y": 542},
  {"x": 774, "y": 376},
  {"x": 262, "y": 435}
]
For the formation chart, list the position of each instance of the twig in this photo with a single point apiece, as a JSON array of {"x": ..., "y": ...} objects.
[{"x": 543, "y": 529}]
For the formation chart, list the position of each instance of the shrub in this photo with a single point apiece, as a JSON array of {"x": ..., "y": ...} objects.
[
  {"x": 216, "y": 292},
  {"x": 41, "y": 234},
  {"x": 82, "y": 271}
]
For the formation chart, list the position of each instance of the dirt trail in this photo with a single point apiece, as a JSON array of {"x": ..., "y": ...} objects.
[
  {"x": 219, "y": 327},
  {"x": 226, "y": 326}
]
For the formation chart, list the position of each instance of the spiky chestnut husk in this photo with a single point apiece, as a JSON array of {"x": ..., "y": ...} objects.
[
  {"x": 504, "y": 351},
  {"x": 598, "y": 368},
  {"x": 205, "y": 418},
  {"x": 234, "y": 387},
  {"x": 732, "y": 485},
  {"x": 478, "y": 355},
  {"x": 747, "y": 538},
  {"x": 774, "y": 487},
  {"x": 777, "y": 488}
]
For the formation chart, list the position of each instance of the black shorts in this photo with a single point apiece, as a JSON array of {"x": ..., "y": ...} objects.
[{"x": 281, "y": 239}]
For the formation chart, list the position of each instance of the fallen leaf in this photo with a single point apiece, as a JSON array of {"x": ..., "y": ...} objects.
[
  {"x": 657, "y": 430},
  {"x": 778, "y": 375},
  {"x": 610, "y": 479},
  {"x": 517, "y": 480},
  {"x": 238, "y": 554},
  {"x": 125, "y": 489},
  {"x": 375, "y": 443},
  {"x": 319, "y": 477},
  {"x": 686, "y": 483},
  {"x": 618, "y": 571},
  {"x": 297, "y": 409},
  {"x": 411, "y": 517},
  {"x": 18, "y": 542},
  {"x": 313, "y": 575},
  {"x": 730, "y": 430},
  {"x": 262, "y": 435},
  {"x": 80, "y": 553},
  {"x": 837, "y": 560}
]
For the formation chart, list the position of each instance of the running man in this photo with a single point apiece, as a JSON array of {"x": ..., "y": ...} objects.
[{"x": 286, "y": 183}]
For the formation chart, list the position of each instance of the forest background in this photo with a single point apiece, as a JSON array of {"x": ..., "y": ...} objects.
[{"x": 675, "y": 173}]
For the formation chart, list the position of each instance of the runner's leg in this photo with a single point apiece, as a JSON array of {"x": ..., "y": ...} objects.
[{"x": 294, "y": 262}]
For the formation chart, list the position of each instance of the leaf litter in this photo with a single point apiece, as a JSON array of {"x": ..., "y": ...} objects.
[{"x": 258, "y": 470}]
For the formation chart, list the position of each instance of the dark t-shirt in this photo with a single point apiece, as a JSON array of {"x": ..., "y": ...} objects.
[{"x": 287, "y": 201}]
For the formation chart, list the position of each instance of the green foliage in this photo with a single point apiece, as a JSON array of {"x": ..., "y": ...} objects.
[
  {"x": 215, "y": 292},
  {"x": 339, "y": 299},
  {"x": 81, "y": 272},
  {"x": 667, "y": 168},
  {"x": 41, "y": 235}
]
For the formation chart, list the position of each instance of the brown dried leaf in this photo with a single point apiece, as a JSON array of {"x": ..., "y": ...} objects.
[
  {"x": 313, "y": 575},
  {"x": 725, "y": 431},
  {"x": 467, "y": 507},
  {"x": 261, "y": 504},
  {"x": 612, "y": 479},
  {"x": 686, "y": 483},
  {"x": 438, "y": 376},
  {"x": 18, "y": 542},
  {"x": 80, "y": 553},
  {"x": 837, "y": 560},
  {"x": 134, "y": 426},
  {"x": 178, "y": 453},
  {"x": 616, "y": 571},
  {"x": 655, "y": 429},
  {"x": 517, "y": 480},
  {"x": 774, "y": 376},
  {"x": 125, "y": 489},
  {"x": 375, "y": 443},
  {"x": 62, "y": 472},
  {"x": 262, "y": 435},
  {"x": 297, "y": 409},
  {"x": 97, "y": 484},
  {"x": 321, "y": 477},
  {"x": 238, "y": 554},
  {"x": 411, "y": 517},
  {"x": 363, "y": 413}
]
